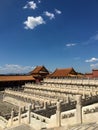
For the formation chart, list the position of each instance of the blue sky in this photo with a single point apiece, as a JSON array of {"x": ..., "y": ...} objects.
[{"x": 53, "y": 33}]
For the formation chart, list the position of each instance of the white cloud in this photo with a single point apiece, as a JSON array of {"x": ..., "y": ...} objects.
[
  {"x": 91, "y": 40},
  {"x": 39, "y": 1},
  {"x": 32, "y": 22},
  {"x": 93, "y": 66},
  {"x": 95, "y": 37},
  {"x": 58, "y": 11},
  {"x": 70, "y": 44},
  {"x": 12, "y": 68},
  {"x": 50, "y": 15},
  {"x": 92, "y": 60},
  {"x": 30, "y": 5}
]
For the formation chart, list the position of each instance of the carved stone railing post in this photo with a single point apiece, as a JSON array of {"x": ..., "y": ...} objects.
[
  {"x": 12, "y": 116},
  {"x": 68, "y": 99},
  {"x": 45, "y": 105},
  {"x": 29, "y": 114},
  {"x": 58, "y": 114},
  {"x": 19, "y": 115},
  {"x": 79, "y": 109},
  {"x": 33, "y": 106}
]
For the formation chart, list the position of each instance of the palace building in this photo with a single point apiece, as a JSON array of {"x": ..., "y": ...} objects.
[
  {"x": 39, "y": 73},
  {"x": 10, "y": 81},
  {"x": 62, "y": 100},
  {"x": 94, "y": 74},
  {"x": 14, "y": 81},
  {"x": 63, "y": 73}
]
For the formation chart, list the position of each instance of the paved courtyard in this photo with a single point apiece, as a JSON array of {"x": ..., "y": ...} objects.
[{"x": 5, "y": 108}]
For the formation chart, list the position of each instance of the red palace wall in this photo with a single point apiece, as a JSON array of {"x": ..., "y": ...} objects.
[{"x": 95, "y": 73}]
